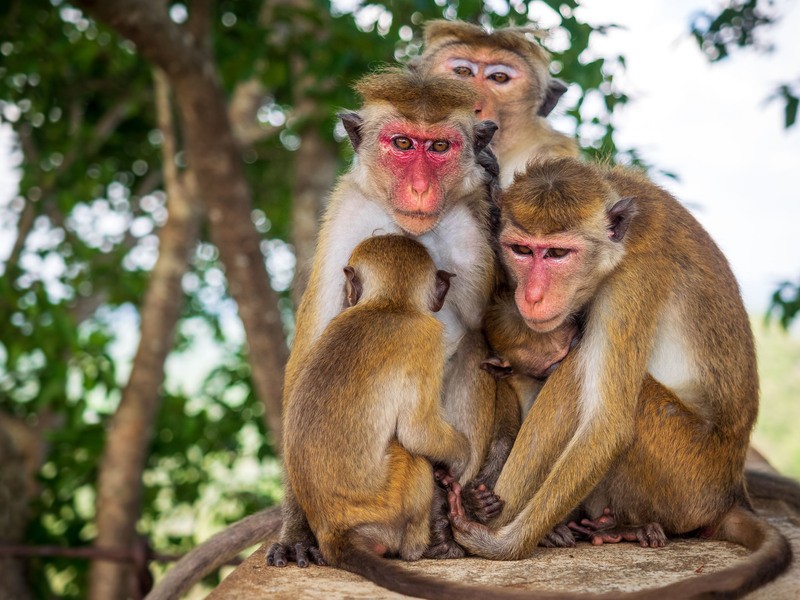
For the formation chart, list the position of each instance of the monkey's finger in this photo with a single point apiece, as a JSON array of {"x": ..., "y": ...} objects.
[
  {"x": 300, "y": 556},
  {"x": 316, "y": 556},
  {"x": 276, "y": 555}
]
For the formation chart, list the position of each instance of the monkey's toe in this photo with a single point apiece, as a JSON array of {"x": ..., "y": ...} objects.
[
  {"x": 561, "y": 537},
  {"x": 276, "y": 555}
]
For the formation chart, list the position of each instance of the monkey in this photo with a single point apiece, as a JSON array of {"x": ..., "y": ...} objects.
[
  {"x": 651, "y": 413},
  {"x": 363, "y": 421},
  {"x": 435, "y": 190},
  {"x": 416, "y": 140},
  {"x": 510, "y": 71}
]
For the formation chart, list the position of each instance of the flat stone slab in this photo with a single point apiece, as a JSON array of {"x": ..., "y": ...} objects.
[{"x": 586, "y": 568}]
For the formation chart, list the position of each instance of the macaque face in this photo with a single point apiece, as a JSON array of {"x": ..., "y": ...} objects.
[
  {"x": 548, "y": 271},
  {"x": 501, "y": 78},
  {"x": 424, "y": 163}
]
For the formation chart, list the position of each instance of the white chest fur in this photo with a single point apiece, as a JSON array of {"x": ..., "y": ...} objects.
[{"x": 457, "y": 244}]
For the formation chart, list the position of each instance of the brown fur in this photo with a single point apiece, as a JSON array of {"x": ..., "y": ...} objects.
[
  {"x": 361, "y": 204},
  {"x": 414, "y": 96},
  {"x": 621, "y": 438}
]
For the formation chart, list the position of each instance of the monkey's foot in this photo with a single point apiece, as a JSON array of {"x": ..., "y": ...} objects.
[
  {"x": 480, "y": 502},
  {"x": 302, "y": 553},
  {"x": 561, "y": 537},
  {"x": 459, "y": 519},
  {"x": 605, "y": 530},
  {"x": 442, "y": 544}
]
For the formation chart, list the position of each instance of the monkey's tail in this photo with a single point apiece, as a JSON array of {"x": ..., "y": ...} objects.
[
  {"x": 350, "y": 552},
  {"x": 771, "y": 555},
  {"x": 771, "y": 486},
  {"x": 215, "y": 552}
]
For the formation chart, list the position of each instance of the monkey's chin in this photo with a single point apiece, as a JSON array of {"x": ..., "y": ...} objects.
[
  {"x": 416, "y": 224},
  {"x": 544, "y": 325}
]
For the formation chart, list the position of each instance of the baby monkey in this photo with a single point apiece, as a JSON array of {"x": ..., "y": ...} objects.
[{"x": 364, "y": 426}]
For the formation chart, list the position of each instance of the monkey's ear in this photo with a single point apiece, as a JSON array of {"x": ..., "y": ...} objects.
[
  {"x": 352, "y": 125},
  {"x": 555, "y": 90},
  {"x": 484, "y": 131},
  {"x": 442, "y": 286},
  {"x": 619, "y": 217},
  {"x": 497, "y": 367},
  {"x": 353, "y": 285}
]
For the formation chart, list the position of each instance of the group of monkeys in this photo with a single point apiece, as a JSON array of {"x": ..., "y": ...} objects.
[{"x": 410, "y": 434}]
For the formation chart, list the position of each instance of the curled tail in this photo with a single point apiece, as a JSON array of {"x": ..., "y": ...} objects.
[
  {"x": 216, "y": 551},
  {"x": 351, "y": 552},
  {"x": 771, "y": 486},
  {"x": 771, "y": 555}
]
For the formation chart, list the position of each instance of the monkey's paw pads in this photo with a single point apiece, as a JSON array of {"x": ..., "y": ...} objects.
[
  {"x": 480, "y": 502},
  {"x": 561, "y": 537},
  {"x": 280, "y": 554}
]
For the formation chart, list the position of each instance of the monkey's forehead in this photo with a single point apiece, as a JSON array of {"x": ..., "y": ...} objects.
[
  {"x": 417, "y": 114},
  {"x": 413, "y": 92},
  {"x": 521, "y": 40}
]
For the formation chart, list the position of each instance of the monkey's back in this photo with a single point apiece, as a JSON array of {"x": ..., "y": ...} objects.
[
  {"x": 340, "y": 451},
  {"x": 698, "y": 282}
]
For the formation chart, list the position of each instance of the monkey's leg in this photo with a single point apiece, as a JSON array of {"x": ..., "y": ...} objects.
[
  {"x": 675, "y": 474},
  {"x": 297, "y": 542},
  {"x": 421, "y": 495}
]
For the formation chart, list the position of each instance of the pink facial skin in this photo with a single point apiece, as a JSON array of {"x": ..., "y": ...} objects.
[
  {"x": 543, "y": 291},
  {"x": 422, "y": 174}
]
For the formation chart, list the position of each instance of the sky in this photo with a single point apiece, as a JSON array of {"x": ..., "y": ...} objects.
[{"x": 708, "y": 123}]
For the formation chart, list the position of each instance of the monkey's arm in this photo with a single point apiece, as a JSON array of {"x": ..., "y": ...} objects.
[
  {"x": 477, "y": 495},
  {"x": 550, "y": 470}
]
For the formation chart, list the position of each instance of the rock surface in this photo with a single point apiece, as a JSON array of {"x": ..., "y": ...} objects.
[{"x": 586, "y": 568}]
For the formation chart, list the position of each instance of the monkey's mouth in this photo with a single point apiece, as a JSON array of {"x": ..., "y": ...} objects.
[{"x": 416, "y": 222}]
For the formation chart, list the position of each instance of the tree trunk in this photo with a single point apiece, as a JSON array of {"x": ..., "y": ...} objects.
[
  {"x": 213, "y": 155},
  {"x": 119, "y": 487},
  {"x": 13, "y": 517}
]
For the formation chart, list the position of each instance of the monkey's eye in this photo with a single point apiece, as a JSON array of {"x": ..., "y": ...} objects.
[
  {"x": 521, "y": 250},
  {"x": 440, "y": 146},
  {"x": 402, "y": 143},
  {"x": 463, "y": 71},
  {"x": 499, "y": 77},
  {"x": 557, "y": 252}
]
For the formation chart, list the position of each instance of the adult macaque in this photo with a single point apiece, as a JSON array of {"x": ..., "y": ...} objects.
[
  {"x": 510, "y": 72},
  {"x": 416, "y": 141},
  {"x": 651, "y": 413}
]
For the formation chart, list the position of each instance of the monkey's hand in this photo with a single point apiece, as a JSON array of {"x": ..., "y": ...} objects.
[
  {"x": 561, "y": 537},
  {"x": 303, "y": 553},
  {"x": 606, "y": 530},
  {"x": 459, "y": 519},
  {"x": 480, "y": 502}
]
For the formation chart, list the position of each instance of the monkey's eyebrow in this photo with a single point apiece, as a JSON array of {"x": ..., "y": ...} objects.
[
  {"x": 461, "y": 62},
  {"x": 500, "y": 67}
]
